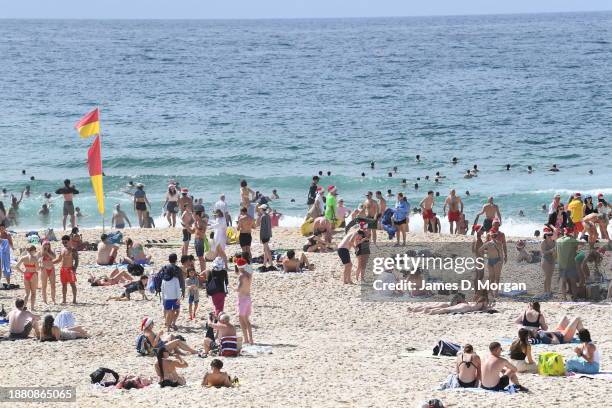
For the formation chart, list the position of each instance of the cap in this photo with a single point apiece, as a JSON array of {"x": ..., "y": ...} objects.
[
  {"x": 331, "y": 188},
  {"x": 184, "y": 190}
]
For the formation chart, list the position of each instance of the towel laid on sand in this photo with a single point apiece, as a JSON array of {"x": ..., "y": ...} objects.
[
  {"x": 254, "y": 350},
  {"x": 603, "y": 375}
]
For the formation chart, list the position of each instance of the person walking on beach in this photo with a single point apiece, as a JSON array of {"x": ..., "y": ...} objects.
[
  {"x": 245, "y": 303},
  {"x": 222, "y": 205},
  {"x": 426, "y": 206},
  {"x": 200, "y": 241},
  {"x": 171, "y": 206},
  {"x": 185, "y": 200},
  {"x": 69, "y": 258},
  {"x": 349, "y": 242},
  {"x": 490, "y": 210},
  {"x": 245, "y": 226},
  {"x": 500, "y": 238},
  {"x": 330, "y": 204},
  {"x": 6, "y": 245},
  {"x": 47, "y": 271},
  {"x": 455, "y": 211},
  {"x": 187, "y": 221},
  {"x": 265, "y": 234},
  {"x": 141, "y": 204},
  {"x": 171, "y": 292},
  {"x": 567, "y": 249},
  {"x": 68, "y": 191},
  {"x": 372, "y": 211},
  {"x": 219, "y": 227},
  {"x": 400, "y": 218},
  {"x": 312, "y": 191},
  {"x": 119, "y": 218}
]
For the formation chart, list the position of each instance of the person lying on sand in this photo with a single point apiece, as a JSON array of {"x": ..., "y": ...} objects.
[
  {"x": 291, "y": 264},
  {"x": 480, "y": 304},
  {"x": 50, "y": 332},
  {"x": 497, "y": 372},
  {"x": 138, "y": 286},
  {"x": 467, "y": 366},
  {"x": 316, "y": 243},
  {"x": 455, "y": 300},
  {"x": 116, "y": 277},
  {"x": 170, "y": 343},
  {"x": 217, "y": 378},
  {"x": 165, "y": 367},
  {"x": 133, "y": 381},
  {"x": 564, "y": 333}
]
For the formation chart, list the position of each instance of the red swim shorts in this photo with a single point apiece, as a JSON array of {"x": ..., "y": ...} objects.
[
  {"x": 578, "y": 226},
  {"x": 454, "y": 216},
  {"x": 428, "y": 214},
  {"x": 67, "y": 275}
]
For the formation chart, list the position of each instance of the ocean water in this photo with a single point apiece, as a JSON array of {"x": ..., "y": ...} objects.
[{"x": 276, "y": 101}]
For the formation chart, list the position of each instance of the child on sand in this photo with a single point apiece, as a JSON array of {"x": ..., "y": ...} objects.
[
  {"x": 194, "y": 292},
  {"x": 138, "y": 286}
]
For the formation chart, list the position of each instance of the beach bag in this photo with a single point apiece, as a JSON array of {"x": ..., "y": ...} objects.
[
  {"x": 446, "y": 348},
  {"x": 115, "y": 237},
  {"x": 151, "y": 284},
  {"x": 135, "y": 269},
  {"x": 551, "y": 364},
  {"x": 156, "y": 279},
  {"x": 142, "y": 345},
  {"x": 97, "y": 377}
]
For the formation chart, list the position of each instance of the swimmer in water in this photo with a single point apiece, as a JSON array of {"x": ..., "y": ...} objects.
[
  {"x": 372, "y": 164},
  {"x": 455, "y": 161},
  {"x": 529, "y": 169},
  {"x": 418, "y": 158},
  {"x": 507, "y": 167},
  {"x": 475, "y": 169},
  {"x": 468, "y": 175},
  {"x": 554, "y": 168}
]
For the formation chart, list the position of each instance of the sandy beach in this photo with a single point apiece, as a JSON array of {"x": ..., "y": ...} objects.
[{"x": 329, "y": 347}]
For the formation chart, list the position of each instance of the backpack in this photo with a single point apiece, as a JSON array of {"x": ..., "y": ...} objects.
[
  {"x": 446, "y": 348},
  {"x": 135, "y": 269},
  {"x": 157, "y": 282},
  {"x": 151, "y": 284},
  {"x": 97, "y": 377},
  {"x": 551, "y": 364},
  {"x": 115, "y": 237},
  {"x": 143, "y": 347}
]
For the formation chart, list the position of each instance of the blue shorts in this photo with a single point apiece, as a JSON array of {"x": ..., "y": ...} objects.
[{"x": 171, "y": 304}]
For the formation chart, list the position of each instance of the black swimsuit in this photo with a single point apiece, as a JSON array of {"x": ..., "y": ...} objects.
[{"x": 471, "y": 384}]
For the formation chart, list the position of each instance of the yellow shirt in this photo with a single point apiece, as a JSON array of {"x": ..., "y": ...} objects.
[{"x": 576, "y": 209}]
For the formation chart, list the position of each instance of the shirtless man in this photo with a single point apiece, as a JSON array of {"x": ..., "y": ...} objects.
[
  {"x": 187, "y": 222},
  {"x": 348, "y": 242},
  {"x": 245, "y": 304},
  {"x": 119, "y": 218},
  {"x": 372, "y": 210},
  {"x": 224, "y": 330},
  {"x": 594, "y": 220},
  {"x": 21, "y": 321},
  {"x": 216, "y": 377},
  {"x": 185, "y": 200},
  {"x": 245, "y": 225},
  {"x": 382, "y": 206},
  {"x": 69, "y": 257},
  {"x": 497, "y": 372},
  {"x": 426, "y": 206},
  {"x": 490, "y": 211},
  {"x": 322, "y": 226},
  {"x": 501, "y": 238},
  {"x": 107, "y": 252},
  {"x": 455, "y": 211},
  {"x": 200, "y": 223},
  {"x": 68, "y": 191},
  {"x": 494, "y": 252},
  {"x": 245, "y": 196},
  {"x": 293, "y": 264}
]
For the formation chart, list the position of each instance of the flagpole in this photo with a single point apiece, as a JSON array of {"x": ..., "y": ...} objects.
[{"x": 104, "y": 192}]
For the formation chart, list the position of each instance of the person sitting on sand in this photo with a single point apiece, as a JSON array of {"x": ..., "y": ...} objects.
[
  {"x": 564, "y": 333},
  {"x": 480, "y": 304},
  {"x": 523, "y": 255},
  {"x": 138, "y": 286},
  {"x": 21, "y": 321},
  {"x": 587, "y": 356},
  {"x": 225, "y": 332},
  {"x": 316, "y": 244},
  {"x": 322, "y": 226},
  {"x": 135, "y": 253},
  {"x": 532, "y": 318},
  {"x": 520, "y": 353},
  {"x": 154, "y": 341},
  {"x": 215, "y": 377},
  {"x": 49, "y": 332},
  {"x": 116, "y": 277},
  {"x": 467, "y": 366},
  {"x": 497, "y": 372},
  {"x": 165, "y": 367},
  {"x": 107, "y": 251},
  {"x": 291, "y": 264}
]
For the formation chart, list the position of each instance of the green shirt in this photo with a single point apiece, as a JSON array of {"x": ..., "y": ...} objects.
[
  {"x": 330, "y": 207},
  {"x": 566, "y": 252}
]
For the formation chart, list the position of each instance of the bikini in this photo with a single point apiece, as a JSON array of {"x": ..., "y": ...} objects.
[
  {"x": 29, "y": 275},
  {"x": 471, "y": 384},
  {"x": 527, "y": 323}
]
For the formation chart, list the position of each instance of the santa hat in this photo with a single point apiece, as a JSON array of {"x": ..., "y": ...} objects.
[
  {"x": 146, "y": 322},
  {"x": 240, "y": 262},
  {"x": 331, "y": 188}
]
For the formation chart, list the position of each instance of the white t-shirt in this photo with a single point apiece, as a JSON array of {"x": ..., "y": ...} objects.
[{"x": 221, "y": 205}]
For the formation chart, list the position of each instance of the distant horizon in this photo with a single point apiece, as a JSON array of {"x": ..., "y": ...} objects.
[{"x": 281, "y": 10}]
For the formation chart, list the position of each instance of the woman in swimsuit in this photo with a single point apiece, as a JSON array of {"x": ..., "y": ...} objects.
[
  {"x": 362, "y": 251},
  {"x": 481, "y": 303},
  {"x": 47, "y": 271},
  {"x": 520, "y": 350},
  {"x": 548, "y": 260},
  {"x": 564, "y": 333},
  {"x": 30, "y": 274},
  {"x": 116, "y": 277},
  {"x": 532, "y": 318},
  {"x": 169, "y": 343},
  {"x": 171, "y": 205},
  {"x": 165, "y": 367},
  {"x": 468, "y": 367},
  {"x": 494, "y": 258},
  {"x": 455, "y": 300},
  {"x": 135, "y": 253}
]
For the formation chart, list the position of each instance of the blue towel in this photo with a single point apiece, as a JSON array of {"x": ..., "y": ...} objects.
[{"x": 5, "y": 257}]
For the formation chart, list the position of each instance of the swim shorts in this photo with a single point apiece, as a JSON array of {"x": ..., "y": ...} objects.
[
  {"x": 68, "y": 208},
  {"x": 487, "y": 224},
  {"x": 171, "y": 304},
  {"x": 140, "y": 206},
  {"x": 245, "y": 239},
  {"x": 198, "y": 244},
  {"x": 186, "y": 235},
  {"x": 345, "y": 255},
  {"x": 245, "y": 305},
  {"x": 454, "y": 216},
  {"x": 399, "y": 222},
  {"x": 172, "y": 207},
  {"x": 265, "y": 240},
  {"x": 428, "y": 214},
  {"x": 578, "y": 226},
  {"x": 504, "y": 381},
  {"x": 67, "y": 275}
]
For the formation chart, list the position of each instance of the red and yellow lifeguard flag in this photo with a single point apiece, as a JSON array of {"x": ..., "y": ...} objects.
[
  {"x": 94, "y": 165},
  {"x": 89, "y": 125}
]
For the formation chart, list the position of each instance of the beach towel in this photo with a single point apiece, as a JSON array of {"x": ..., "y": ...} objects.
[
  {"x": 5, "y": 257},
  {"x": 602, "y": 375},
  {"x": 508, "y": 390},
  {"x": 64, "y": 320},
  {"x": 450, "y": 382},
  {"x": 254, "y": 350}
]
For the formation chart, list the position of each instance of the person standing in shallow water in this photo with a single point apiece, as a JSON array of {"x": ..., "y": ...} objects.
[
  {"x": 68, "y": 191},
  {"x": 141, "y": 204}
]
